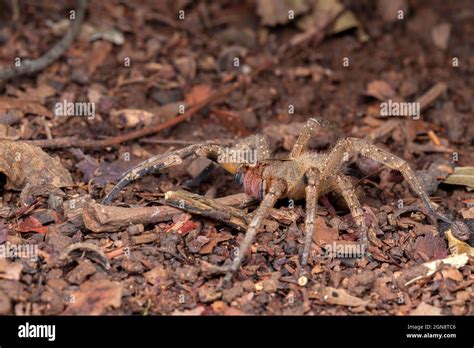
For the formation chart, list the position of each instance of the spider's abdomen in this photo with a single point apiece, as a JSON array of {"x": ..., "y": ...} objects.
[{"x": 251, "y": 180}]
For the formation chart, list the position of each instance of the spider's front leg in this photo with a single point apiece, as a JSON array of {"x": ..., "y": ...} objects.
[
  {"x": 155, "y": 164},
  {"x": 275, "y": 191},
  {"x": 341, "y": 153}
]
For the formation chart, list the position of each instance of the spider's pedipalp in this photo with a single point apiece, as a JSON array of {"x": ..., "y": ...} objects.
[
  {"x": 275, "y": 191},
  {"x": 311, "y": 190},
  {"x": 348, "y": 192},
  {"x": 341, "y": 153}
]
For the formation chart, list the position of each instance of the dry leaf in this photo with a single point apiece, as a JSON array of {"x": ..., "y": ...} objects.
[
  {"x": 457, "y": 246},
  {"x": 380, "y": 90},
  {"x": 214, "y": 239},
  {"x": 273, "y": 12},
  {"x": 195, "y": 311},
  {"x": 342, "y": 297},
  {"x": 8, "y": 133},
  {"x": 25, "y": 164},
  {"x": 157, "y": 275},
  {"x": 452, "y": 273},
  {"x": 426, "y": 309},
  {"x": 323, "y": 234},
  {"x": 25, "y": 106},
  {"x": 410, "y": 275},
  {"x": 440, "y": 35},
  {"x": 95, "y": 297},
  {"x": 389, "y": 10},
  {"x": 198, "y": 94},
  {"x": 31, "y": 224},
  {"x": 130, "y": 118},
  {"x": 461, "y": 176},
  {"x": 10, "y": 270}
]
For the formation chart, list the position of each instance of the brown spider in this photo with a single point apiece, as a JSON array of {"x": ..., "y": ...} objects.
[{"x": 302, "y": 175}]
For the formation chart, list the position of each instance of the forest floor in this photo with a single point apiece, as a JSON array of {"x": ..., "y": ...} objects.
[{"x": 160, "y": 71}]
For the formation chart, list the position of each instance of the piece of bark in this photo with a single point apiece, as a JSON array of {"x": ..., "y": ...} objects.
[{"x": 102, "y": 218}]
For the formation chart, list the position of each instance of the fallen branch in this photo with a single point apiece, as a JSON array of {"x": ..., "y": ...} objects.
[
  {"x": 101, "y": 218},
  {"x": 28, "y": 67}
]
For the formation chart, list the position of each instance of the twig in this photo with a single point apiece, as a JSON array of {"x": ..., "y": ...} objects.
[
  {"x": 100, "y": 218},
  {"x": 32, "y": 66}
]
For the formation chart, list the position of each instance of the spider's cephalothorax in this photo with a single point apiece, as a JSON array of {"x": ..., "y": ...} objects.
[{"x": 303, "y": 174}]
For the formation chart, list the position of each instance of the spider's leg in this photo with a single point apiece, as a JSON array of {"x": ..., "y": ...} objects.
[
  {"x": 159, "y": 162},
  {"x": 348, "y": 192},
  {"x": 311, "y": 128},
  {"x": 275, "y": 191},
  {"x": 311, "y": 189},
  {"x": 343, "y": 148}
]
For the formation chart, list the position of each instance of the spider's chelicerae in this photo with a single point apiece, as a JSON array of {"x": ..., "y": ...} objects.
[{"x": 303, "y": 174}]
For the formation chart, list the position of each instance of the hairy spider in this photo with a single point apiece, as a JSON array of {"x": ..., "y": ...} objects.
[{"x": 303, "y": 174}]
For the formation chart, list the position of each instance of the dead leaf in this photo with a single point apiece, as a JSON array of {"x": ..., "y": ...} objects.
[
  {"x": 390, "y": 10},
  {"x": 426, "y": 309},
  {"x": 452, "y": 273},
  {"x": 130, "y": 118},
  {"x": 100, "y": 51},
  {"x": 461, "y": 176},
  {"x": 380, "y": 90},
  {"x": 411, "y": 275},
  {"x": 324, "y": 11},
  {"x": 323, "y": 234},
  {"x": 10, "y": 270},
  {"x": 31, "y": 224},
  {"x": 95, "y": 297},
  {"x": 342, "y": 298},
  {"x": 25, "y": 164},
  {"x": 467, "y": 213},
  {"x": 8, "y": 133},
  {"x": 430, "y": 247},
  {"x": 24, "y": 106},
  {"x": 214, "y": 239},
  {"x": 198, "y": 94},
  {"x": 157, "y": 275},
  {"x": 273, "y": 12},
  {"x": 440, "y": 35},
  {"x": 38, "y": 94},
  {"x": 195, "y": 311},
  {"x": 457, "y": 246}
]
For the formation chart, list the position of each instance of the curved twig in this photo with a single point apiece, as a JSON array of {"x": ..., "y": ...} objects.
[{"x": 32, "y": 66}]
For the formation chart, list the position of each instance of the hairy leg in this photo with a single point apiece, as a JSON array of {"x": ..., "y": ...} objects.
[
  {"x": 311, "y": 204},
  {"x": 159, "y": 162},
  {"x": 275, "y": 191},
  {"x": 310, "y": 129},
  {"x": 348, "y": 192},
  {"x": 344, "y": 148}
]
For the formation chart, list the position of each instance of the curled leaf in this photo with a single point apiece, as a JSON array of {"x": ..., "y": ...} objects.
[
  {"x": 457, "y": 246},
  {"x": 25, "y": 164}
]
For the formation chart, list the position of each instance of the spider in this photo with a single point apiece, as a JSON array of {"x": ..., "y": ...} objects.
[{"x": 303, "y": 174}]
